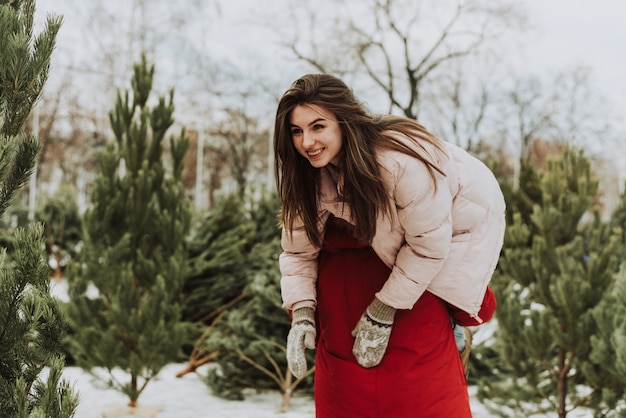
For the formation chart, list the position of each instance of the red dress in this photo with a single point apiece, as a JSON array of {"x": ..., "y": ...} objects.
[{"x": 421, "y": 374}]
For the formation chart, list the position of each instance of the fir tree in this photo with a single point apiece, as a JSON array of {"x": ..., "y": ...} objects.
[
  {"x": 251, "y": 338},
  {"x": 606, "y": 369},
  {"x": 134, "y": 252},
  {"x": 218, "y": 251},
  {"x": 554, "y": 271},
  {"x": 31, "y": 322},
  {"x": 217, "y": 273}
]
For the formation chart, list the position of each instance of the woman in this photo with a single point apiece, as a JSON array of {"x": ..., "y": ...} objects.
[{"x": 388, "y": 232}]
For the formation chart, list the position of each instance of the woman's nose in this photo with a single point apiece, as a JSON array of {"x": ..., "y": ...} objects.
[{"x": 308, "y": 140}]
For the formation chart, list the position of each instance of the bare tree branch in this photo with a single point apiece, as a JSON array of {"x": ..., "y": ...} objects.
[{"x": 384, "y": 37}]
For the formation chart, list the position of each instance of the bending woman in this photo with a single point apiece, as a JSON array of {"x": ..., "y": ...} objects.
[{"x": 388, "y": 233}]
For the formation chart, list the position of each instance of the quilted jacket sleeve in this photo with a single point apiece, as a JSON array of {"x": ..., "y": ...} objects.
[
  {"x": 298, "y": 267},
  {"x": 425, "y": 214}
]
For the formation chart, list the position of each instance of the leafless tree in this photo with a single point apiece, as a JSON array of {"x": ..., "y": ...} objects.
[
  {"x": 581, "y": 116},
  {"x": 466, "y": 106},
  {"x": 241, "y": 146},
  {"x": 441, "y": 63},
  {"x": 401, "y": 46},
  {"x": 70, "y": 137},
  {"x": 531, "y": 109},
  {"x": 562, "y": 110},
  {"x": 106, "y": 40}
]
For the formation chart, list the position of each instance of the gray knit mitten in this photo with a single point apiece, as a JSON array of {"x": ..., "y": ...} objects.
[
  {"x": 372, "y": 333},
  {"x": 301, "y": 336}
]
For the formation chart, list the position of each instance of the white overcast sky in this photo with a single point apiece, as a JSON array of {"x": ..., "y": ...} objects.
[
  {"x": 563, "y": 34},
  {"x": 570, "y": 33}
]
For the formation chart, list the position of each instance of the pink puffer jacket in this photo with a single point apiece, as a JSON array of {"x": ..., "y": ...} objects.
[{"x": 446, "y": 241}]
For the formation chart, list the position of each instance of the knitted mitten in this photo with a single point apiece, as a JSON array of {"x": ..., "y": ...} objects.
[
  {"x": 301, "y": 336},
  {"x": 372, "y": 333}
]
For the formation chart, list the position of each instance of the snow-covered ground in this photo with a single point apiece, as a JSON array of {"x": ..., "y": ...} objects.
[
  {"x": 189, "y": 397},
  {"x": 186, "y": 397}
]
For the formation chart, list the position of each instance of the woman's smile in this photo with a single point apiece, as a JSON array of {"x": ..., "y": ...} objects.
[{"x": 314, "y": 154}]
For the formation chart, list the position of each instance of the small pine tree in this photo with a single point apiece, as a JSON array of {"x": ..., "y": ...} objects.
[
  {"x": 607, "y": 367},
  {"x": 217, "y": 273},
  {"x": 251, "y": 338},
  {"x": 218, "y": 270},
  {"x": 134, "y": 253},
  {"x": 553, "y": 272},
  {"x": 31, "y": 322},
  {"x": 606, "y": 370}
]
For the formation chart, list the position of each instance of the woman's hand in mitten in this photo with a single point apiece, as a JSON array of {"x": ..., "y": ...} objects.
[
  {"x": 372, "y": 333},
  {"x": 301, "y": 336}
]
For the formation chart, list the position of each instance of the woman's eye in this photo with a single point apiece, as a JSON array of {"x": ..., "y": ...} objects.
[
  {"x": 296, "y": 131},
  {"x": 318, "y": 127}
]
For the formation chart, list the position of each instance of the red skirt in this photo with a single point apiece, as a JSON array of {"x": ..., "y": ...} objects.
[{"x": 421, "y": 374}]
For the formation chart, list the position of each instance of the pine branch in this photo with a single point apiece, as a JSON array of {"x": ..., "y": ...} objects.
[
  {"x": 200, "y": 356},
  {"x": 222, "y": 309},
  {"x": 257, "y": 366}
]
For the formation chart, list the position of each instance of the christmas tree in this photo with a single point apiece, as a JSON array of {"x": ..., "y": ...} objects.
[
  {"x": 217, "y": 273},
  {"x": 555, "y": 269},
  {"x": 218, "y": 250},
  {"x": 32, "y": 324},
  {"x": 607, "y": 367},
  {"x": 251, "y": 338},
  {"x": 134, "y": 254},
  {"x": 606, "y": 370}
]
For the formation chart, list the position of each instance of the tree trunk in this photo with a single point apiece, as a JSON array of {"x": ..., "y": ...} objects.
[
  {"x": 195, "y": 363},
  {"x": 286, "y": 392},
  {"x": 561, "y": 384},
  {"x": 133, "y": 387}
]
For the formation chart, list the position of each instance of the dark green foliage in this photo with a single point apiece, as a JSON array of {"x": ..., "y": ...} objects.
[
  {"x": 25, "y": 64},
  {"x": 218, "y": 260},
  {"x": 484, "y": 361},
  {"x": 251, "y": 338},
  {"x": 63, "y": 228},
  {"x": 134, "y": 252},
  {"x": 264, "y": 216},
  {"x": 6, "y": 237},
  {"x": 607, "y": 366},
  {"x": 31, "y": 334},
  {"x": 250, "y": 330},
  {"x": 522, "y": 200},
  {"x": 554, "y": 271},
  {"x": 32, "y": 325},
  {"x": 618, "y": 220}
]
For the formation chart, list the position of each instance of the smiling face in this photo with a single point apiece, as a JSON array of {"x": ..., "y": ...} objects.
[{"x": 316, "y": 135}]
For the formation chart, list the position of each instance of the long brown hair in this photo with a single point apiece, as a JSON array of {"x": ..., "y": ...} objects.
[{"x": 297, "y": 181}]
